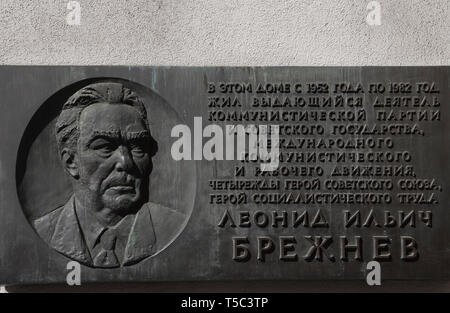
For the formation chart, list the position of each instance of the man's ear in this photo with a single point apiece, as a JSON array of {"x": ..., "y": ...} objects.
[{"x": 69, "y": 162}]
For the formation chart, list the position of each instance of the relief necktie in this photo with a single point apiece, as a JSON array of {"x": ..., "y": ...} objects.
[{"x": 106, "y": 257}]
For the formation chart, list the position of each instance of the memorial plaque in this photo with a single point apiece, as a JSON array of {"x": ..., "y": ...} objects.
[{"x": 223, "y": 173}]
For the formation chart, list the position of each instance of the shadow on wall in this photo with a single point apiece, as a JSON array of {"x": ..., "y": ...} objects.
[{"x": 244, "y": 286}]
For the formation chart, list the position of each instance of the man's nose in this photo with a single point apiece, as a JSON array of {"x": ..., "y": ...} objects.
[{"x": 124, "y": 161}]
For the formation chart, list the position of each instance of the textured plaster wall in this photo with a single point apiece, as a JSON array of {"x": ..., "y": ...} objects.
[
  {"x": 228, "y": 32},
  {"x": 225, "y": 32}
]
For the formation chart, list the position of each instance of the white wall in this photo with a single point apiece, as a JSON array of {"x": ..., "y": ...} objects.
[{"x": 225, "y": 32}]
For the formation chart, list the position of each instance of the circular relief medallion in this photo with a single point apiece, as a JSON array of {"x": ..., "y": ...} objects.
[{"x": 95, "y": 176}]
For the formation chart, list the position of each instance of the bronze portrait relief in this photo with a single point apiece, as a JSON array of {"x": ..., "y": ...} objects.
[
  {"x": 136, "y": 174},
  {"x": 105, "y": 147}
]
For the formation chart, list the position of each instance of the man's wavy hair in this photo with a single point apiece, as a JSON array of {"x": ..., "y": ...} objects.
[{"x": 67, "y": 125}]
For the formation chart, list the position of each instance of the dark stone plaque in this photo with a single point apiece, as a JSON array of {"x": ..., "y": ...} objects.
[{"x": 276, "y": 173}]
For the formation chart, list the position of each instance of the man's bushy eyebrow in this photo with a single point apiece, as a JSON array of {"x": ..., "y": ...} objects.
[
  {"x": 113, "y": 134},
  {"x": 144, "y": 134},
  {"x": 116, "y": 135},
  {"x": 106, "y": 133}
]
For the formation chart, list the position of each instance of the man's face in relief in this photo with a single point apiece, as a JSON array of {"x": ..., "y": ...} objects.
[{"x": 112, "y": 156}]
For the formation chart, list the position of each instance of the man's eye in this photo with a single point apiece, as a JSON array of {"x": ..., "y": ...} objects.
[
  {"x": 104, "y": 149},
  {"x": 138, "y": 151}
]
